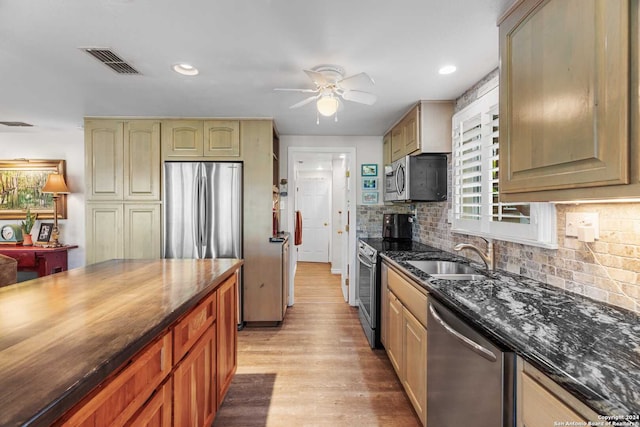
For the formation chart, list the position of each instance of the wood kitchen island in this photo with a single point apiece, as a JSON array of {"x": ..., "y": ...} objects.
[{"x": 145, "y": 342}]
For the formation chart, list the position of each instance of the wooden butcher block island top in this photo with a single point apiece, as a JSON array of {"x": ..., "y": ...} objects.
[{"x": 62, "y": 335}]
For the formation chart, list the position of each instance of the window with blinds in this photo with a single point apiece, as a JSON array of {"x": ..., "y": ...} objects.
[{"x": 477, "y": 208}]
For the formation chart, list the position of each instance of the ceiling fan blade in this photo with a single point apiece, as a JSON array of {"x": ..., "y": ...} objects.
[
  {"x": 305, "y": 101},
  {"x": 357, "y": 80},
  {"x": 359, "y": 96},
  {"x": 280, "y": 89},
  {"x": 316, "y": 77}
]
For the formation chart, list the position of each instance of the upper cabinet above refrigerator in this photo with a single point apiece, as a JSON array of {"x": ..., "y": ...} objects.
[{"x": 200, "y": 139}]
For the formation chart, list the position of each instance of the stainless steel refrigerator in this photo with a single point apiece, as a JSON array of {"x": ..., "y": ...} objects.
[{"x": 203, "y": 212}]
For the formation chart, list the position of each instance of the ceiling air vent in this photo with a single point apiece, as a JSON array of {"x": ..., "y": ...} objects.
[
  {"x": 111, "y": 60},
  {"x": 17, "y": 124}
]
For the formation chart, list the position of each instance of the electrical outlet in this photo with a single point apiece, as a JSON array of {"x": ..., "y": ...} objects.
[{"x": 582, "y": 219}]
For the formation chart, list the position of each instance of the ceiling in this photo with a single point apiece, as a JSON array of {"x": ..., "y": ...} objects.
[{"x": 243, "y": 49}]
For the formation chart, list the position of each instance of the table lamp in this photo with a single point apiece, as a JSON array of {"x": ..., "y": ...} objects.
[{"x": 56, "y": 186}]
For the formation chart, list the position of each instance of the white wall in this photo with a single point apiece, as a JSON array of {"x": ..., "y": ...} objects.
[
  {"x": 368, "y": 150},
  {"x": 68, "y": 146}
]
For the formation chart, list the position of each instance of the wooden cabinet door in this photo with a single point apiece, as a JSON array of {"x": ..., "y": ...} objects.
[
  {"x": 411, "y": 133},
  {"x": 384, "y": 304},
  {"x": 394, "y": 334},
  {"x": 397, "y": 142},
  {"x": 157, "y": 411},
  {"x": 540, "y": 408},
  {"x": 386, "y": 149},
  {"x": 118, "y": 401},
  {"x": 182, "y": 138},
  {"x": 190, "y": 328},
  {"x": 104, "y": 231},
  {"x": 142, "y": 160},
  {"x": 227, "y": 335},
  {"x": 415, "y": 363},
  {"x": 285, "y": 277},
  {"x": 222, "y": 138},
  {"x": 564, "y": 95},
  {"x": 142, "y": 231},
  {"x": 103, "y": 159},
  {"x": 194, "y": 384}
]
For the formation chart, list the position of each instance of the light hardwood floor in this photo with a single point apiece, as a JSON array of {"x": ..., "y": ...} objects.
[{"x": 316, "y": 369}]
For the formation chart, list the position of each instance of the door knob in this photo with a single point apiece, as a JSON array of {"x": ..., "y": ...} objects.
[{"x": 325, "y": 224}]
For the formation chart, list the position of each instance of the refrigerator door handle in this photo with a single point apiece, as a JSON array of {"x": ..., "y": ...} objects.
[
  {"x": 204, "y": 214},
  {"x": 196, "y": 214},
  {"x": 202, "y": 206}
]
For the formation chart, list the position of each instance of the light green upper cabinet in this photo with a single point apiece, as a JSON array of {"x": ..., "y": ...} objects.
[
  {"x": 221, "y": 138},
  {"x": 200, "y": 139},
  {"x": 122, "y": 160},
  {"x": 142, "y": 160},
  {"x": 104, "y": 159},
  {"x": 564, "y": 97}
]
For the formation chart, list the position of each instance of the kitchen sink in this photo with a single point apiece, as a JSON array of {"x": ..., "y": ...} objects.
[{"x": 449, "y": 270}]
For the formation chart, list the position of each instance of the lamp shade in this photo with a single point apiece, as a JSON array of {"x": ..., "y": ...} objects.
[
  {"x": 327, "y": 105},
  {"x": 55, "y": 184}
]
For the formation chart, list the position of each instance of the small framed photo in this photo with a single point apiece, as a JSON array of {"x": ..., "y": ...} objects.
[
  {"x": 369, "y": 183},
  {"x": 45, "y": 232},
  {"x": 369, "y": 197},
  {"x": 369, "y": 169}
]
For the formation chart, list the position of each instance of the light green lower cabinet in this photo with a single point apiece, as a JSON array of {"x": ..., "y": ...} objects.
[
  {"x": 123, "y": 230},
  {"x": 142, "y": 231}
]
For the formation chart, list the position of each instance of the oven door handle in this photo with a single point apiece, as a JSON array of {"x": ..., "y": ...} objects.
[{"x": 365, "y": 262}]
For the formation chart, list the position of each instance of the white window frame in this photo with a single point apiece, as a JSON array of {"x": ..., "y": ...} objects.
[{"x": 541, "y": 230}]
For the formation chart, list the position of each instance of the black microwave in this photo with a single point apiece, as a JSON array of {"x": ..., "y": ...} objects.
[{"x": 421, "y": 178}]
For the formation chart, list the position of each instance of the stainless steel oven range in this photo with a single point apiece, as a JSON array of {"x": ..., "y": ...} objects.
[{"x": 367, "y": 292}]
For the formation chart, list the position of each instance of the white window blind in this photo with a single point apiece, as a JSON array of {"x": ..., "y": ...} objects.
[{"x": 477, "y": 209}]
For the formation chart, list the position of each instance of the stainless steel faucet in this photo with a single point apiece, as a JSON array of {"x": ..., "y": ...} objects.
[{"x": 488, "y": 257}]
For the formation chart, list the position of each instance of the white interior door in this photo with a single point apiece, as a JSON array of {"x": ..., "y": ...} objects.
[{"x": 314, "y": 204}]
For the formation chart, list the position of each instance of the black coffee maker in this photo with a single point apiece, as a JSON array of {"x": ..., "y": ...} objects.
[{"x": 396, "y": 226}]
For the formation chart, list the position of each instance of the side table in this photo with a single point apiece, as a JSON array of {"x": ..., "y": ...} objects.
[{"x": 43, "y": 261}]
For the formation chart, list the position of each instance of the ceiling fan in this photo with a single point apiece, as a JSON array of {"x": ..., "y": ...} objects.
[{"x": 331, "y": 87}]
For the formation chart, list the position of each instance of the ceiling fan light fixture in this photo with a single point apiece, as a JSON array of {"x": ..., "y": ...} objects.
[
  {"x": 185, "y": 69},
  {"x": 327, "y": 105}
]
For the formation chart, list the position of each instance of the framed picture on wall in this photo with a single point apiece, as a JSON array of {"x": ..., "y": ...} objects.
[
  {"x": 369, "y": 197},
  {"x": 369, "y": 169},
  {"x": 369, "y": 183},
  {"x": 21, "y": 183}
]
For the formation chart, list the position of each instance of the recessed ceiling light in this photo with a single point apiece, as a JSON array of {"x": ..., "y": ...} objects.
[
  {"x": 447, "y": 69},
  {"x": 185, "y": 69}
]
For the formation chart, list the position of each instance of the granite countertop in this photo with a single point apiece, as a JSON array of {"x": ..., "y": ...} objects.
[
  {"x": 592, "y": 349},
  {"x": 62, "y": 335}
]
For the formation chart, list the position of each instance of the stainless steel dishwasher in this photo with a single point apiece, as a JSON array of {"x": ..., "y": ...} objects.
[{"x": 470, "y": 380}]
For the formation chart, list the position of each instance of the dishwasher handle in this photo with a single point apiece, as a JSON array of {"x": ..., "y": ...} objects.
[{"x": 477, "y": 348}]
